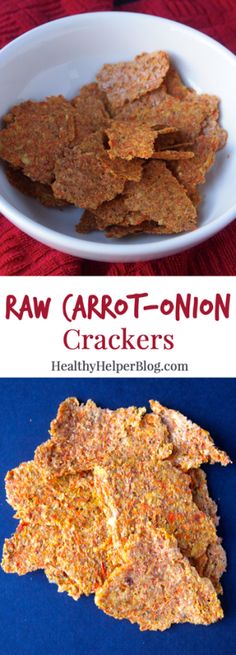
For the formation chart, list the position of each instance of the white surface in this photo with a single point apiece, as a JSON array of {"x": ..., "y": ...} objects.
[{"x": 60, "y": 57}]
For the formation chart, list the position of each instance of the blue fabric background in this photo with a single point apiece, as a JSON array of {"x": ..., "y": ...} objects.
[{"x": 34, "y": 618}]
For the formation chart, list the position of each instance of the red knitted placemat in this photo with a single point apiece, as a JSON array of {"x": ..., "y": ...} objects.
[{"x": 21, "y": 255}]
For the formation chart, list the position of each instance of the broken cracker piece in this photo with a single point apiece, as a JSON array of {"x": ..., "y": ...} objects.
[
  {"x": 158, "y": 492},
  {"x": 86, "y": 435},
  {"x": 97, "y": 220},
  {"x": 37, "y": 190},
  {"x": 172, "y": 154},
  {"x": 156, "y": 586},
  {"x": 161, "y": 198},
  {"x": 90, "y": 115},
  {"x": 175, "y": 86},
  {"x": 35, "y": 134},
  {"x": 192, "y": 445},
  {"x": 93, "y": 142},
  {"x": 63, "y": 581},
  {"x": 187, "y": 115},
  {"x": 126, "y": 81},
  {"x": 87, "y": 179},
  {"x": 130, "y": 140},
  {"x": 143, "y": 108},
  {"x": 145, "y": 227},
  {"x": 87, "y": 223},
  {"x": 201, "y": 494},
  {"x": 61, "y": 527},
  {"x": 30, "y": 548},
  {"x": 192, "y": 173},
  {"x": 212, "y": 564}
]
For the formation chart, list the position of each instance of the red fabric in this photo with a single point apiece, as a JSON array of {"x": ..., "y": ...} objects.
[{"x": 21, "y": 255}]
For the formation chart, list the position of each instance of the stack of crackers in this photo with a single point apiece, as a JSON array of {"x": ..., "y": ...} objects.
[
  {"x": 131, "y": 149},
  {"x": 115, "y": 503}
]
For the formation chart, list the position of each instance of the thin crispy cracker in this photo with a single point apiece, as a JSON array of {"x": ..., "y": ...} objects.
[
  {"x": 156, "y": 586},
  {"x": 130, "y": 140},
  {"x": 109, "y": 213},
  {"x": 35, "y": 134},
  {"x": 201, "y": 494},
  {"x": 194, "y": 172},
  {"x": 87, "y": 180},
  {"x": 90, "y": 115},
  {"x": 91, "y": 90},
  {"x": 212, "y": 564},
  {"x": 142, "y": 108},
  {"x": 175, "y": 146},
  {"x": 91, "y": 221},
  {"x": 63, "y": 581},
  {"x": 145, "y": 227},
  {"x": 93, "y": 142},
  {"x": 161, "y": 198},
  {"x": 175, "y": 86},
  {"x": 173, "y": 154},
  {"x": 186, "y": 115},
  {"x": 37, "y": 190},
  {"x": 30, "y": 548},
  {"x": 87, "y": 223},
  {"x": 192, "y": 445},
  {"x": 62, "y": 527},
  {"x": 213, "y": 129},
  {"x": 159, "y": 492},
  {"x": 86, "y": 435},
  {"x": 127, "y": 81}
]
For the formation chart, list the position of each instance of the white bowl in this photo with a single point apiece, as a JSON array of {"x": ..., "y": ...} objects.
[{"x": 61, "y": 56}]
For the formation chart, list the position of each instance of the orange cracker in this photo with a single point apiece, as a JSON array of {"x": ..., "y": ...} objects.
[
  {"x": 142, "y": 109},
  {"x": 86, "y": 435},
  {"x": 172, "y": 154},
  {"x": 194, "y": 172},
  {"x": 201, "y": 495},
  {"x": 93, "y": 142},
  {"x": 109, "y": 213},
  {"x": 156, "y": 586},
  {"x": 192, "y": 445},
  {"x": 186, "y": 115},
  {"x": 30, "y": 548},
  {"x": 87, "y": 179},
  {"x": 63, "y": 581},
  {"x": 161, "y": 494},
  {"x": 161, "y": 198},
  {"x": 174, "y": 85},
  {"x": 87, "y": 223},
  {"x": 128, "y": 140},
  {"x": 37, "y": 190},
  {"x": 127, "y": 81},
  {"x": 91, "y": 221},
  {"x": 212, "y": 564},
  {"x": 213, "y": 129},
  {"x": 35, "y": 134},
  {"x": 62, "y": 528},
  {"x": 146, "y": 227},
  {"x": 90, "y": 115}
]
